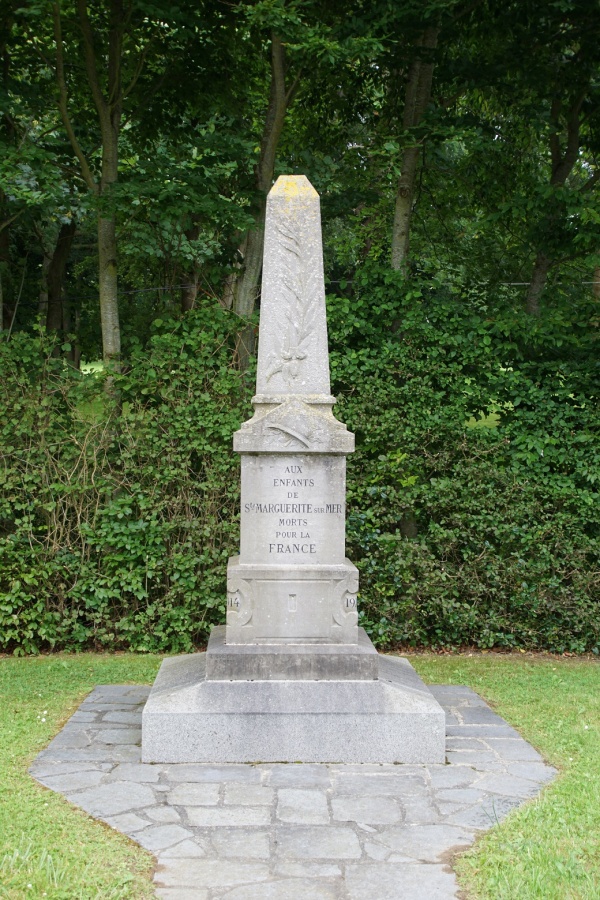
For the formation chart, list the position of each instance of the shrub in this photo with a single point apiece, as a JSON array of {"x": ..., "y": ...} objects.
[
  {"x": 116, "y": 528},
  {"x": 473, "y": 507},
  {"x": 474, "y": 512}
]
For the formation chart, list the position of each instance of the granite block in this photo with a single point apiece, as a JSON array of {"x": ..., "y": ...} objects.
[
  {"x": 189, "y": 719},
  {"x": 277, "y": 662},
  {"x": 300, "y": 806}
]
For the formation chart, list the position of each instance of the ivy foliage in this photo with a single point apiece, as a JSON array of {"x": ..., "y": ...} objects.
[
  {"x": 473, "y": 495},
  {"x": 474, "y": 502},
  {"x": 115, "y": 529}
]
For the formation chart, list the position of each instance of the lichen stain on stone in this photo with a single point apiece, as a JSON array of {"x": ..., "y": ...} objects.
[{"x": 290, "y": 187}]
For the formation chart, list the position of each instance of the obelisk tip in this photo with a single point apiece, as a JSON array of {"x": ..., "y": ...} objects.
[{"x": 292, "y": 187}]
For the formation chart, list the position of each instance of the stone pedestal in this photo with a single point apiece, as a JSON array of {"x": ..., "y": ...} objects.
[
  {"x": 291, "y": 677},
  {"x": 189, "y": 718},
  {"x": 290, "y": 662}
]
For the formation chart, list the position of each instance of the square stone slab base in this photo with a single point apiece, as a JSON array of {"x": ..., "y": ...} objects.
[{"x": 392, "y": 720}]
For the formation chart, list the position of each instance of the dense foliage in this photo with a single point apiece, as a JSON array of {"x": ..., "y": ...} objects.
[
  {"x": 474, "y": 511},
  {"x": 116, "y": 528},
  {"x": 455, "y": 147},
  {"x": 475, "y": 488}
]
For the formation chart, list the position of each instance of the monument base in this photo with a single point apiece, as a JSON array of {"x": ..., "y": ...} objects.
[
  {"x": 290, "y": 662},
  {"x": 188, "y": 718}
]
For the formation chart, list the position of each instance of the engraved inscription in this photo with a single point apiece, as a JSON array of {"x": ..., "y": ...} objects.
[
  {"x": 293, "y": 510},
  {"x": 292, "y": 535},
  {"x": 240, "y": 603},
  {"x": 345, "y": 607}
]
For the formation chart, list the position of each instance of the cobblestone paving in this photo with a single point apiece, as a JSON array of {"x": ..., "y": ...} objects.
[{"x": 294, "y": 832}]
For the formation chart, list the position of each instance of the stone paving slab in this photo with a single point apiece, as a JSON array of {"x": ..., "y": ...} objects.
[{"x": 295, "y": 831}]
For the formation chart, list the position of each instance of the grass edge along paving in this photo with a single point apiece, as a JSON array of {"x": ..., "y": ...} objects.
[
  {"x": 549, "y": 848},
  {"x": 49, "y": 848}
]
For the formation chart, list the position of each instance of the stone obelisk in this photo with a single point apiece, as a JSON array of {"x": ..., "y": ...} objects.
[
  {"x": 291, "y": 676},
  {"x": 291, "y": 592}
]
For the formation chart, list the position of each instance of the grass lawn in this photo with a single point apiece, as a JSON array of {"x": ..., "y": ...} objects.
[
  {"x": 547, "y": 849},
  {"x": 47, "y": 847}
]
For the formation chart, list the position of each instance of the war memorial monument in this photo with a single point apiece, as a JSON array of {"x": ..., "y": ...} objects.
[{"x": 291, "y": 677}]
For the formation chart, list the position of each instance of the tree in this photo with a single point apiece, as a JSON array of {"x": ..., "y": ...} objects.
[
  {"x": 539, "y": 66},
  {"x": 108, "y": 101},
  {"x": 417, "y": 96},
  {"x": 241, "y": 287}
]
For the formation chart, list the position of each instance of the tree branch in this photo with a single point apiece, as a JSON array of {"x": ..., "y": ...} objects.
[
  {"x": 138, "y": 69},
  {"x": 115, "y": 47},
  {"x": 148, "y": 95},
  {"x": 10, "y": 220},
  {"x": 291, "y": 93},
  {"x": 430, "y": 39},
  {"x": 63, "y": 102},
  {"x": 275, "y": 115},
  {"x": 591, "y": 181},
  {"x": 562, "y": 171},
  {"x": 90, "y": 62},
  {"x": 555, "y": 155},
  {"x": 410, "y": 97}
]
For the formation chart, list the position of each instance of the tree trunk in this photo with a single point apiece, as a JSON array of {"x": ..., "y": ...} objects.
[
  {"x": 189, "y": 291},
  {"x": 4, "y": 270},
  {"x": 417, "y": 96},
  {"x": 403, "y": 208},
  {"x": 43, "y": 295},
  {"x": 596, "y": 283},
  {"x": 5, "y": 282},
  {"x": 107, "y": 245},
  {"x": 241, "y": 288},
  {"x": 109, "y": 108},
  {"x": 246, "y": 286},
  {"x": 109, "y": 113},
  {"x": 537, "y": 284},
  {"x": 107, "y": 282},
  {"x": 55, "y": 277},
  {"x": 563, "y": 158},
  {"x": 74, "y": 354}
]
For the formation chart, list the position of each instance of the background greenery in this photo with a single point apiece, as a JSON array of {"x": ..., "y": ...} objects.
[{"x": 465, "y": 360}]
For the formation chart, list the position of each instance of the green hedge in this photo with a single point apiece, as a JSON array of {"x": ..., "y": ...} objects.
[
  {"x": 474, "y": 512},
  {"x": 115, "y": 528},
  {"x": 473, "y": 506}
]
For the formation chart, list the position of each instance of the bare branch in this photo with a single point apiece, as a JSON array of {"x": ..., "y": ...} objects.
[
  {"x": 138, "y": 69},
  {"x": 90, "y": 62},
  {"x": 63, "y": 102}
]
